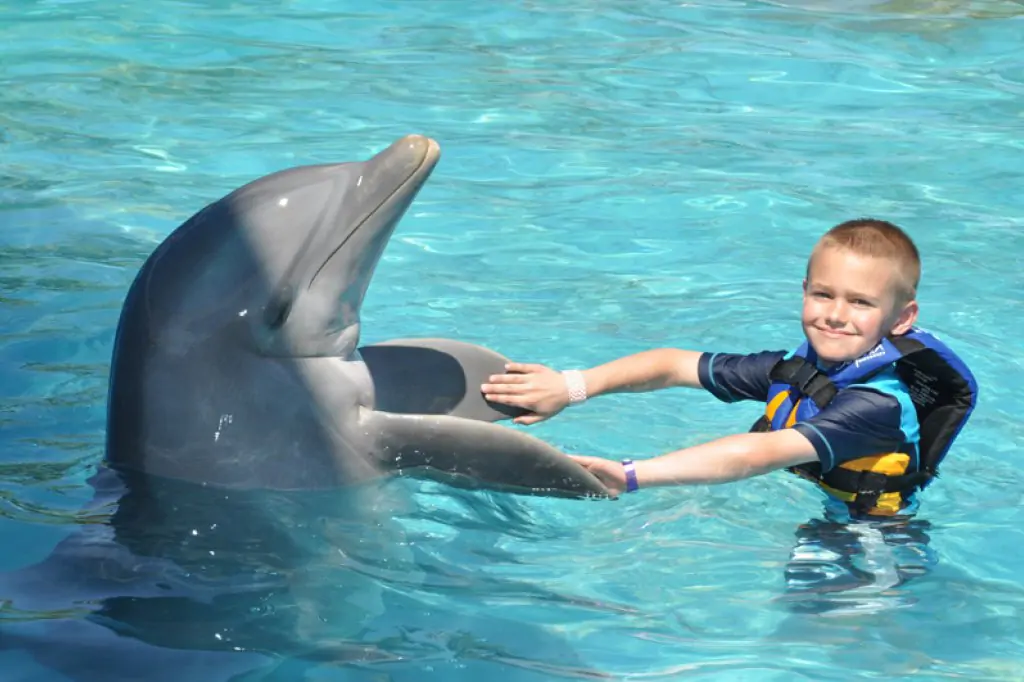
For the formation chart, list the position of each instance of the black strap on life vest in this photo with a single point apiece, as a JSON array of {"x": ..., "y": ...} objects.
[{"x": 868, "y": 485}]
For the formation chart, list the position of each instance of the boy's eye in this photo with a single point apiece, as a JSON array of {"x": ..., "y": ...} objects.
[
  {"x": 861, "y": 302},
  {"x": 820, "y": 294}
]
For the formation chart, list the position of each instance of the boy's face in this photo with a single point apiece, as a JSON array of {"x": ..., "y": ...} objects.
[{"x": 850, "y": 303}]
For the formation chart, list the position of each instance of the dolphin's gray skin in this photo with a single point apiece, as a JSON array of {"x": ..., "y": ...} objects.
[{"x": 236, "y": 362}]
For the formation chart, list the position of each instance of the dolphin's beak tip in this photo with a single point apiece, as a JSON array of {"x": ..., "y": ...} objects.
[{"x": 423, "y": 146}]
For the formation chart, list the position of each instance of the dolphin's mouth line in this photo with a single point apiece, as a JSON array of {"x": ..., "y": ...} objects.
[
  {"x": 423, "y": 162},
  {"x": 280, "y": 301}
]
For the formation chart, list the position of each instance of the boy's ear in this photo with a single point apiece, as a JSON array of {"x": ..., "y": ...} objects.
[
  {"x": 804, "y": 285},
  {"x": 906, "y": 319}
]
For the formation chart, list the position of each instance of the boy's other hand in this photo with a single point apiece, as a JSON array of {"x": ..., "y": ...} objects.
[
  {"x": 612, "y": 474},
  {"x": 536, "y": 388}
]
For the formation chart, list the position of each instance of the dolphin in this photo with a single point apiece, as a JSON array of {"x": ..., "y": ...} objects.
[
  {"x": 237, "y": 364},
  {"x": 252, "y": 482}
]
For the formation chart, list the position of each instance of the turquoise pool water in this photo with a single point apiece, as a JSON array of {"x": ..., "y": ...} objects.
[{"x": 615, "y": 176}]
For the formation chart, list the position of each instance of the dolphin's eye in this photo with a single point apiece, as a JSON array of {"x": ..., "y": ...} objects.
[{"x": 277, "y": 312}]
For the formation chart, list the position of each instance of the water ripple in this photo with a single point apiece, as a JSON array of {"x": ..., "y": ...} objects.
[{"x": 615, "y": 176}]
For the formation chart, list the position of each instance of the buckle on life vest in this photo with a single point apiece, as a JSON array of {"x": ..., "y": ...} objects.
[{"x": 870, "y": 486}]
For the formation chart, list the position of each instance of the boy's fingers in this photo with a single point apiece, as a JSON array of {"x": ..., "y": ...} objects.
[
  {"x": 505, "y": 398},
  {"x": 507, "y": 389},
  {"x": 508, "y": 379}
]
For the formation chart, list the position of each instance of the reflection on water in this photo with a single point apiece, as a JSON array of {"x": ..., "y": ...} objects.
[
  {"x": 837, "y": 567},
  {"x": 328, "y": 578}
]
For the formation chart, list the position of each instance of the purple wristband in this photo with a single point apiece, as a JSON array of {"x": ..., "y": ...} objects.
[{"x": 631, "y": 484}]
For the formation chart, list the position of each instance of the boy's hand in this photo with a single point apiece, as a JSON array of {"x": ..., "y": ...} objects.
[
  {"x": 537, "y": 388},
  {"x": 612, "y": 474}
]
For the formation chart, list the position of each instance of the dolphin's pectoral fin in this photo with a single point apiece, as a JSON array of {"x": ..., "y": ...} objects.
[
  {"x": 435, "y": 376},
  {"x": 476, "y": 454}
]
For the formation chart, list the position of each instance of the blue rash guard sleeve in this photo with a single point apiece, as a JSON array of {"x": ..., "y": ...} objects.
[
  {"x": 732, "y": 377},
  {"x": 859, "y": 422}
]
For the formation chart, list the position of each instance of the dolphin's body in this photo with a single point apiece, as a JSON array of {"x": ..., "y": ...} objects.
[{"x": 236, "y": 362}]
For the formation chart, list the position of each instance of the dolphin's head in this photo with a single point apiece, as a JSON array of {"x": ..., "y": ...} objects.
[{"x": 282, "y": 264}]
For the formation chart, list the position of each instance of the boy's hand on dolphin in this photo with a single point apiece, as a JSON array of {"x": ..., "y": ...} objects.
[
  {"x": 611, "y": 474},
  {"x": 536, "y": 388}
]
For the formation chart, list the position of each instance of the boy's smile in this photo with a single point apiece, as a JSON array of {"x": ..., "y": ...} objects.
[{"x": 850, "y": 304}]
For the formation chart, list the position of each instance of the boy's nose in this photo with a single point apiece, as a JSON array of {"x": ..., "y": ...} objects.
[{"x": 836, "y": 313}]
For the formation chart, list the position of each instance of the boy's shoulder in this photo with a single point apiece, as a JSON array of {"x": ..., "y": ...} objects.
[{"x": 738, "y": 376}]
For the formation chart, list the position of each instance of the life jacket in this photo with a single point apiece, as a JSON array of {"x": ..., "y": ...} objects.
[{"x": 942, "y": 388}]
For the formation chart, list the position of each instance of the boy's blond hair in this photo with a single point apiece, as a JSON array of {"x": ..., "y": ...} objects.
[{"x": 878, "y": 239}]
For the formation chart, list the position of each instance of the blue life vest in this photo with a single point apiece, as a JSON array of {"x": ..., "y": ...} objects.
[{"x": 942, "y": 388}]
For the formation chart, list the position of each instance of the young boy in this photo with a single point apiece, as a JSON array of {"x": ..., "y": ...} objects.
[{"x": 867, "y": 407}]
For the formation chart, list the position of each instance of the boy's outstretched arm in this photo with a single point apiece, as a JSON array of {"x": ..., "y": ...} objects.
[
  {"x": 544, "y": 391},
  {"x": 719, "y": 461}
]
